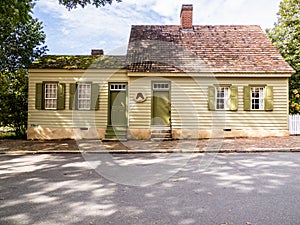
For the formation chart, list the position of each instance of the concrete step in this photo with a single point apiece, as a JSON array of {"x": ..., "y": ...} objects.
[
  {"x": 161, "y": 139},
  {"x": 111, "y": 128},
  {"x": 115, "y": 133},
  {"x": 111, "y": 135},
  {"x": 118, "y": 133},
  {"x": 160, "y": 128},
  {"x": 113, "y": 139},
  {"x": 161, "y": 133}
]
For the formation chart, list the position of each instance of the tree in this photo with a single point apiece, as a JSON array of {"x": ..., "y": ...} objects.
[
  {"x": 286, "y": 37},
  {"x": 15, "y": 11},
  {"x": 21, "y": 42},
  {"x": 71, "y": 4},
  {"x": 14, "y": 93}
]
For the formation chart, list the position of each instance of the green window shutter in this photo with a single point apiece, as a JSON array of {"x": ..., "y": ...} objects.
[
  {"x": 211, "y": 98},
  {"x": 269, "y": 102},
  {"x": 61, "y": 96},
  {"x": 73, "y": 103},
  {"x": 234, "y": 101},
  {"x": 95, "y": 97},
  {"x": 39, "y": 96},
  {"x": 247, "y": 98}
]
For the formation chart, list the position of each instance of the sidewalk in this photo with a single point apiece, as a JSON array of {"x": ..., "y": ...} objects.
[{"x": 239, "y": 145}]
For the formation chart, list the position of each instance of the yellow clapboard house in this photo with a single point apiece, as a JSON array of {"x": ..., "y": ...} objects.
[{"x": 175, "y": 82}]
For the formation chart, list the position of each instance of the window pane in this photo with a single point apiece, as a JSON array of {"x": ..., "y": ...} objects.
[
  {"x": 118, "y": 87},
  {"x": 220, "y": 94},
  {"x": 50, "y": 96},
  {"x": 220, "y": 104},
  {"x": 261, "y": 103},
  {"x": 164, "y": 86},
  {"x": 84, "y": 96},
  {"x": 257, "y": 96},
  {"x": 222, "y": 98}
]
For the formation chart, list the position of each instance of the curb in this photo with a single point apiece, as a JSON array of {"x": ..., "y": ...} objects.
[{"x": 141, "y": 151}]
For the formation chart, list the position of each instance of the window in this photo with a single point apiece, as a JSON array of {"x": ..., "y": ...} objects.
[
  {"x": 222, "y": 98},
  {"x": 257, "y": 98},
  {"x": 50, "y": 96},
  {"x": 161, "y": 86},
  {"x": 84, "y": 96},
  {"x": 118, "y": 87}
]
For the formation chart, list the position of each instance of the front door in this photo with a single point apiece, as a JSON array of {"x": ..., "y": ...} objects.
[
  {"x": 118, "y": 106},
  {"x": 161, "y": 106}
]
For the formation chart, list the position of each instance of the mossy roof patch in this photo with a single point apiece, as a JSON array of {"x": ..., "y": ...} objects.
[{"x": 79, "y": 62}]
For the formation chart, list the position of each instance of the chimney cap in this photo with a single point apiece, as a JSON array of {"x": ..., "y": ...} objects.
[
  {"x": 187, "y": 6},
  {"x": 97, "y": 52}
]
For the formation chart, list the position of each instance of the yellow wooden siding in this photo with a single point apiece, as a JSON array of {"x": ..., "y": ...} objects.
[
  {"x": 71, "y": 118},
  {"x": 235, "y": 120},
  {"x": 189, "y": 99},
  {"x": 140, "y": 113}
]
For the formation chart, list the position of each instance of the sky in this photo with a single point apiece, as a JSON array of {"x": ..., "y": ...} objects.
[{"x": 79, "y": 30}]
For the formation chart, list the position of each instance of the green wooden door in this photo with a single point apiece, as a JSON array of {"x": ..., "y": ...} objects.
[
  {"x": 118, "y": 109},
  {"x": 161, "y": 108}
]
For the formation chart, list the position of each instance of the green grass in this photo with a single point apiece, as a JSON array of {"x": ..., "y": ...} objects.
[{"x": 7, "y": 133}]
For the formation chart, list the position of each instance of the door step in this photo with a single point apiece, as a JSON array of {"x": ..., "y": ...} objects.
[
  {"x": 161, "y": 133},
  {"x": 161, "y": 139},
  {"x": 115, "y": 133},
  {"x": 113, "y": 139}
]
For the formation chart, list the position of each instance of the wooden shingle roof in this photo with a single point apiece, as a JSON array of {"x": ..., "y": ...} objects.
[{"x": 219, "y": 49}]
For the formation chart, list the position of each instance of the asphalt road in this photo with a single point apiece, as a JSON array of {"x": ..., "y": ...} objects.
[{"x": 210, "y": 189}]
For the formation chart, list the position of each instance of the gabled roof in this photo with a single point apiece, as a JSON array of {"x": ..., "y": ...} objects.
[
  {"x": 79, "y": 62},
  {"x": 219, "y": 49}
]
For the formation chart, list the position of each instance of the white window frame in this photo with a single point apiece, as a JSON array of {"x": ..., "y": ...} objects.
[
  {"x": 257, "y": 98},
  {"x": 225, "y": 97},
  {"x": 84, "y": 93},
  {"x": 117, "y": 87},
  {"x": 50, "y": 101},
  {"x": 161, "y": 86}
]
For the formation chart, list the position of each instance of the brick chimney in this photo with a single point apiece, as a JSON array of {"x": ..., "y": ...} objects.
[
  {"x": 186, "y": 17},
  {"x": 97, "y": 52}
]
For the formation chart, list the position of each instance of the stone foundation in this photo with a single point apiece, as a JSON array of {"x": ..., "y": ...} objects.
[
  {"x": 207, "y": 134},
  {"x": 142, "y": 134},
  {"x": 40, "y": 133},
  {"x": 139, "y": 134}
]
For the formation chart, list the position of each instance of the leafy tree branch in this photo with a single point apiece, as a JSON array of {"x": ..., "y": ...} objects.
[
  {"x": 71, "y": 4},
  {"x": 286, "y": 37}
]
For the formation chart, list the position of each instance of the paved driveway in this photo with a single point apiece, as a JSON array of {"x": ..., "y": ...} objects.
[{"x": 171, "y": 189}]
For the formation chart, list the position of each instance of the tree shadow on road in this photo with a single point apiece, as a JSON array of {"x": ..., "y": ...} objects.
[{"x": 232, "y": 188}]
